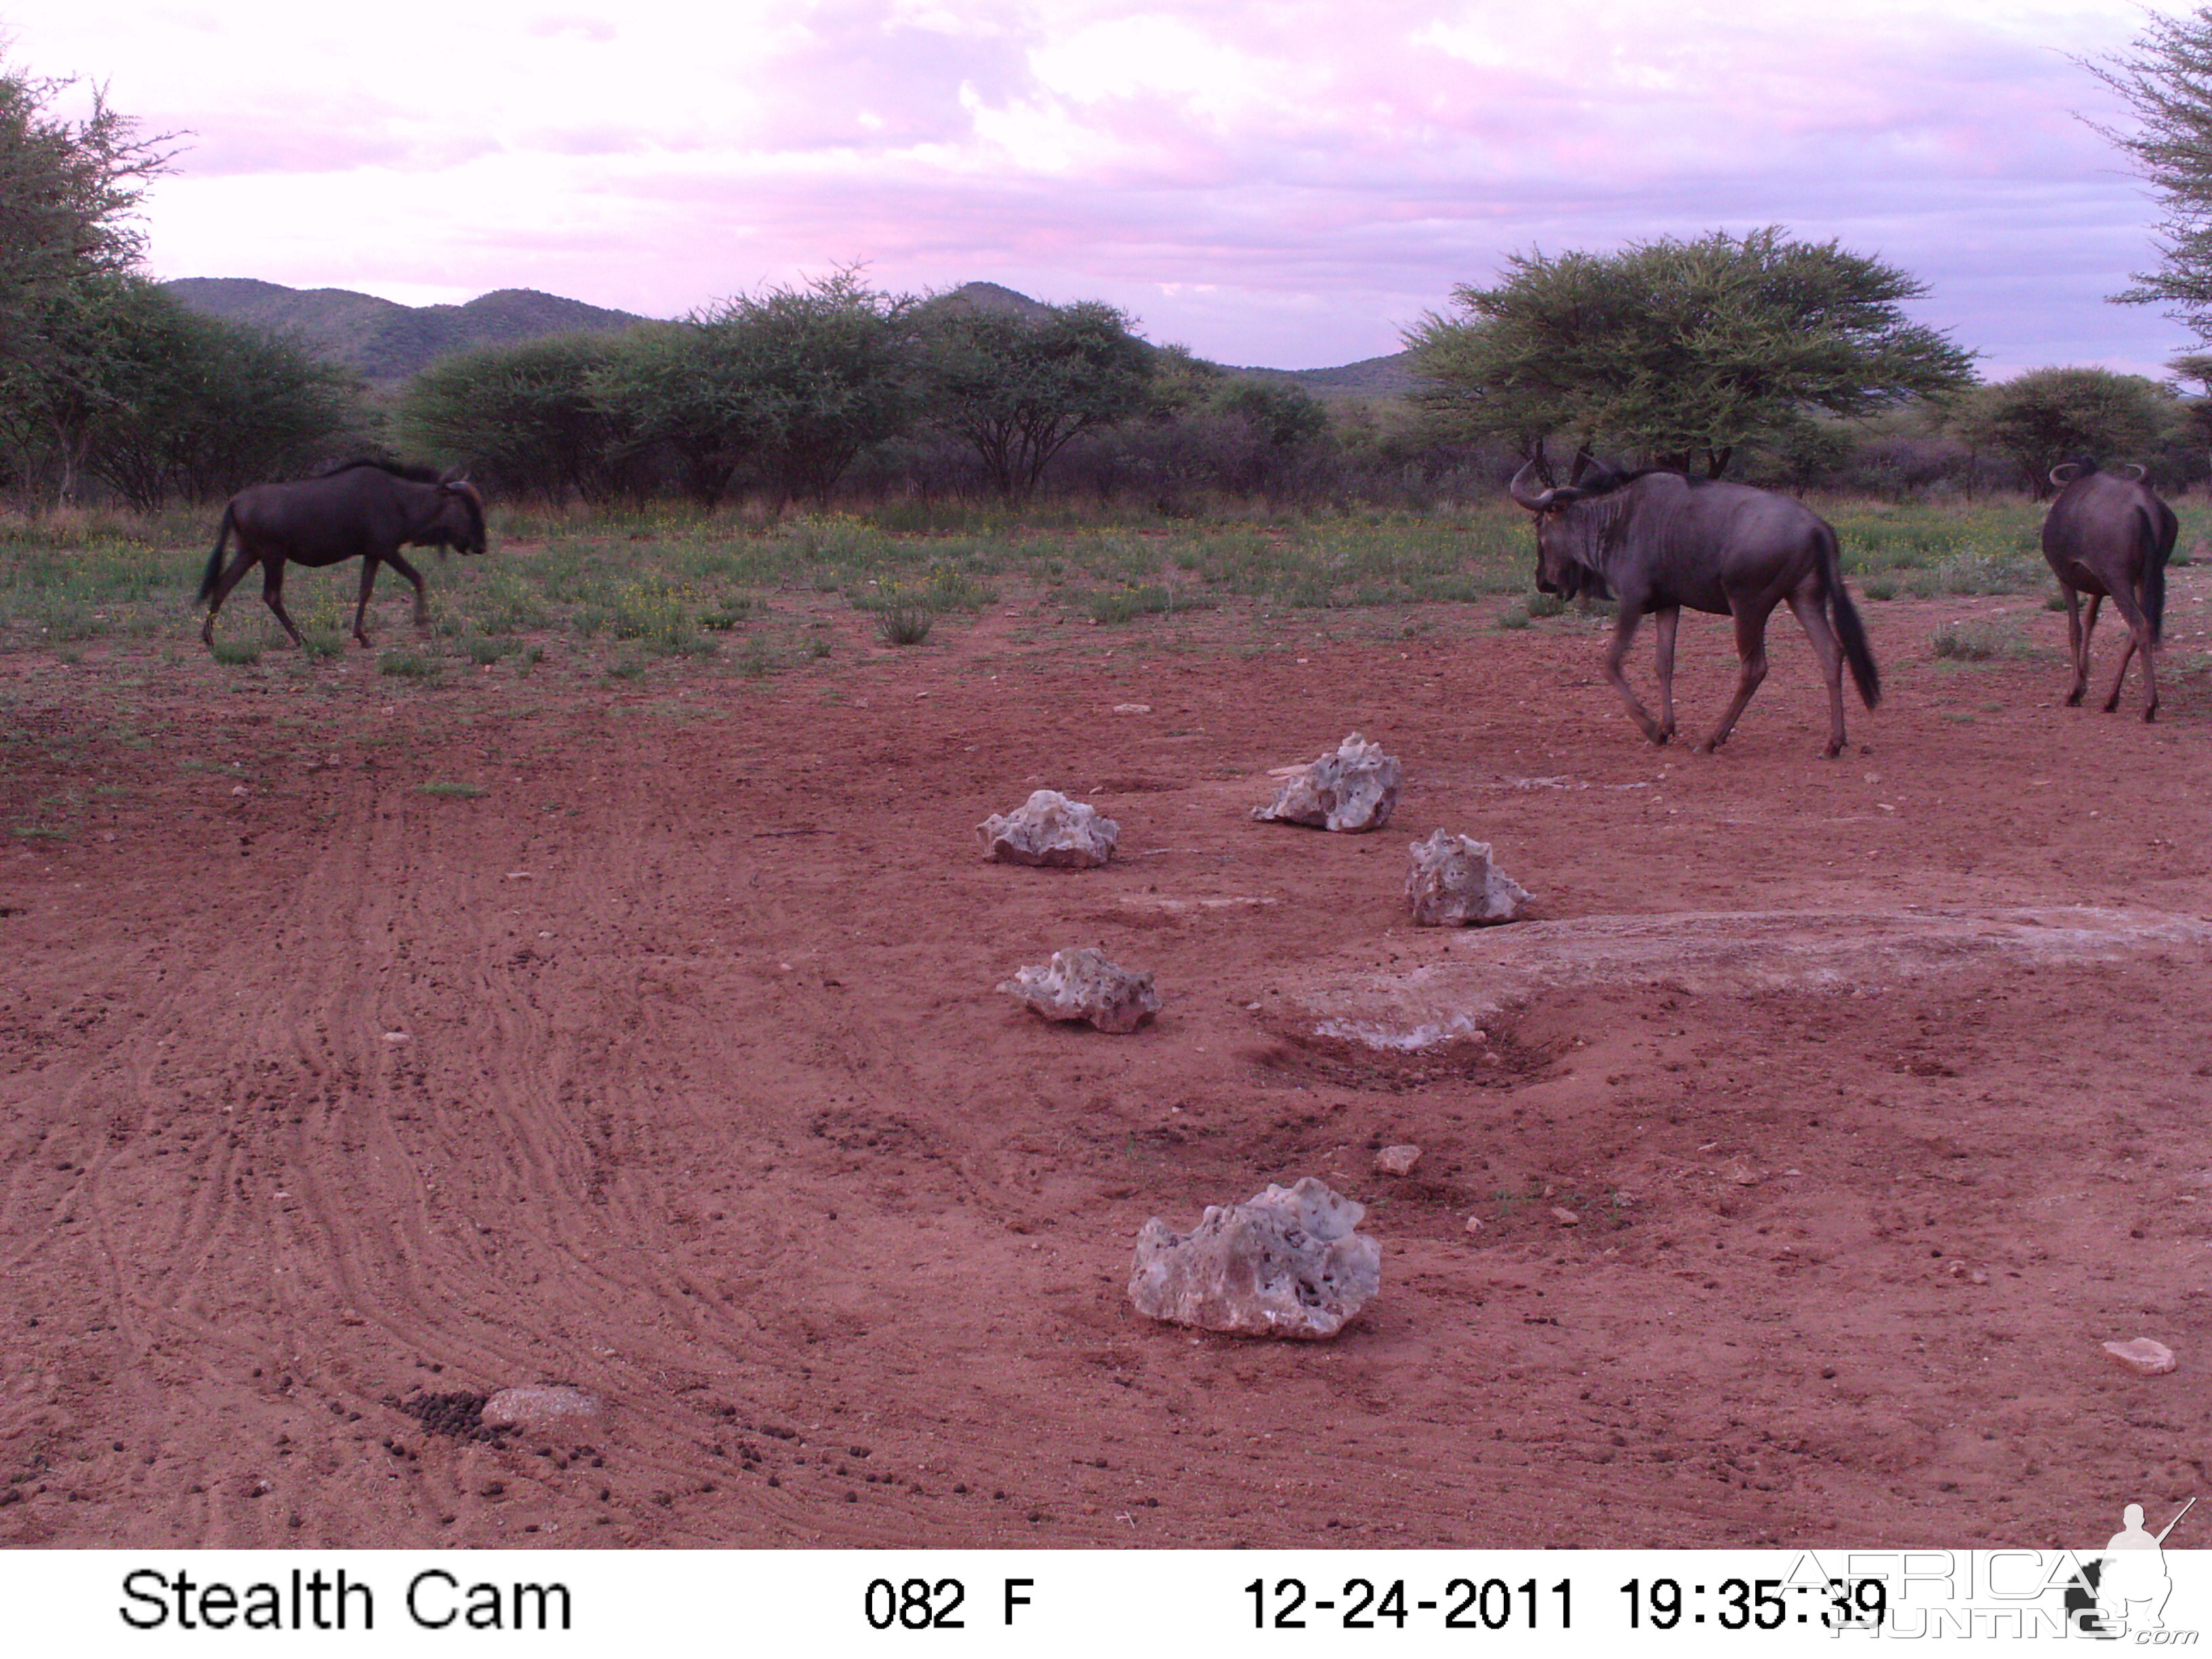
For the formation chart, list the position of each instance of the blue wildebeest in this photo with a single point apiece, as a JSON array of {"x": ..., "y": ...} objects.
[
  {"x": 364, "y": 510},
  {"x": 2106, "y": 535},
  {"x": 1657, "y": 541}
]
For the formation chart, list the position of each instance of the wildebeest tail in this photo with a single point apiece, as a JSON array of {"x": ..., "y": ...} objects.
[
  {"x": 214, "y": 571},
  {"x": 1850, "y": 632},
  {"x": 2156, "y": 550}
]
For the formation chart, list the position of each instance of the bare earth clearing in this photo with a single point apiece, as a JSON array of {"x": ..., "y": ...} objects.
[{"x": 670, "y": 1066}]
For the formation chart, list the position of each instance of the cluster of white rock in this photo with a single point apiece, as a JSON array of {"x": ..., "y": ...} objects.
[{"x": 1290, "y": 1262}]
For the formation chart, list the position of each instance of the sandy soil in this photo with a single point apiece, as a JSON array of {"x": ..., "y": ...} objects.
[{"x": 670, "y": 1066}]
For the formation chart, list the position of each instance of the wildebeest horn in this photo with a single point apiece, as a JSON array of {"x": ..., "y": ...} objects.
[
  {"x": 2139, "y": 469},
  {"x": 1521, "y": 497},
  {"x": 2071, "y": 469}
]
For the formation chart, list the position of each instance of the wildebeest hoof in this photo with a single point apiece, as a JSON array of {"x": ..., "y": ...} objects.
[
  {"x": 2150, "y": 714},
  {"x": 2074, "y": 700}
]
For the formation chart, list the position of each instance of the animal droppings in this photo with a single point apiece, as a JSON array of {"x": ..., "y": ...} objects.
[
  {"x": 1288, "y": 1263},
  {"x": 1050, "y": 830},
  {"x": 1082, "y": 984},
  {"x": 1452, "y": 883},
  {"x": 1352, "y": 790},
  {"x": 2143, "y": 1356}
]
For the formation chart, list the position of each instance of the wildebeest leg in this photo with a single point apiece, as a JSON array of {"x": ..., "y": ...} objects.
[
  {"x": 272, "y": 595},
  {"x": 367, "y": 588},
  {"x": 1669, "y": 619},
  {"x": 2077, "y": 644},
  {"x": 422, "y": 605},
  {"x": 1624, "y": 633},
  {"x": 2082, "y": 668},
  {"x": 1751, "y": 650},
  {"x": 1812, "y": 613},
  {"x": 2138, "y": 639},
  {"x": 238, "y": 565}
]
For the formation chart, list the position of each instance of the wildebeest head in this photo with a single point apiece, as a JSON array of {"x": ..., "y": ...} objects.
[
  {"x": 458, "y": 520},
  {"x": 1570, "y": 535}
]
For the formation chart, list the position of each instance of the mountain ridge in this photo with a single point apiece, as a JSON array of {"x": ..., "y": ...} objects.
[{"x": 387, "y": 342}]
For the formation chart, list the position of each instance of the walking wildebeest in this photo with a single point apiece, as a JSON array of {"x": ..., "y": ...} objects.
[
  {"x": 366, "y": 510},
  {"x": 2109, "y": 535},
  {"x": 1656, "y": 541}
]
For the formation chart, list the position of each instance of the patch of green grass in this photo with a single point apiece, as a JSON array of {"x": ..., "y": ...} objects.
[
  {"x": 903, "y": 625},
  {"x": 452, "y": 791},
  {"x": 1879, "y": 587},
  {"x": 236, "y": 653},
  {"x": 630, "y": 668},
  {"x": 1982, "y": 641},
  {"x": 1546, "y": 604},
  {"x": 408, "y": 666},
  {"x": 1514, "y": 615}
]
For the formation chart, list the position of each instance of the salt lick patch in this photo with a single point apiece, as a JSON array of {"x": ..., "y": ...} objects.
[
  {"x": 1288, "y": 1263},
  {"x": 538, "y": 1405},
  {"x": 1469, "y": 982}
]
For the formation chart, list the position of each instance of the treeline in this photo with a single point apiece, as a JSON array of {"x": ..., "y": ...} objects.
[
  {"x": 1756, "y": 357},
  {"x": 834, "y": 390}
]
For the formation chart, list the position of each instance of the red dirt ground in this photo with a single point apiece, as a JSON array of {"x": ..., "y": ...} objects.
[{"x": 671, "y": 1067}]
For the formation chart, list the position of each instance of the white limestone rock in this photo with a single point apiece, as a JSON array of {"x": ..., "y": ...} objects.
[
  {"x": 1397, "y": 1160},
  {"x": 1286, "y": 1264},
  {"x": 1050, "y": 830},
  {"x": 2145, "y": 1356},
  {"x": 1352, "y": 790},
  {"x": 1082, "y": 984},
  {"x": 1452, "y": 883}
]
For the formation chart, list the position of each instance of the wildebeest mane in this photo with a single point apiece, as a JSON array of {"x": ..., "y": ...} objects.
[{"x": 407, "y": 470}]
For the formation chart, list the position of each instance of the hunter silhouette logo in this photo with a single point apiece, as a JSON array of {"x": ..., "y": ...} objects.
[{"x": 2123, "y": 1591}]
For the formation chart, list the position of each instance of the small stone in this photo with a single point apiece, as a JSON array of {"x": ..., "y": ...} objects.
[
  {"x": 1288, "y": 1263},
  {"x": 1475, "y": 1224},
  {"x": 1565, "y": 1216},
  {"x": 1132, "y": 708},
  {"x": 1049, "y": 829},
  {"x": 1397, "y": 1160},
  {"x": 1352, "y": 790},
  {"x": 1452, "y": 883},
  {"x": 2143, "y": 1356},
  {"x": 539, "y": 1406},
  {"x": 397, "y": 1036},
  {"x": 1082, "y": 984}
]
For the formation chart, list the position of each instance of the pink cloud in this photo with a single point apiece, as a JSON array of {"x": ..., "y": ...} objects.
[{"x": 1327, "y": 172}]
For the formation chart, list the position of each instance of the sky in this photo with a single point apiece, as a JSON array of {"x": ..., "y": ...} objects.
[{"x": 1275, "y": 183}]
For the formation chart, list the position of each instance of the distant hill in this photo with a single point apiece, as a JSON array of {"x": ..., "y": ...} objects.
[
  {"x": 1370, "y": 377},
  {"x": 989, "y": 296},
  {"x": 385, "y": 340}
]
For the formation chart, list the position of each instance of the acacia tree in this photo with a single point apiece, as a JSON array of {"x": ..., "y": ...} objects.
[
  {"x": 2047, "y": 416},
  {"x": 70, "y": 191},
  {"x": 198, "y": 407},
  {"x": 2167, "y": 83},
  {"x": 527, "y": 416},
  {"x": 1020, "y": 388},
  {"x": 806, "y": 377},
  {"x": 1685, "y": 351}
]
